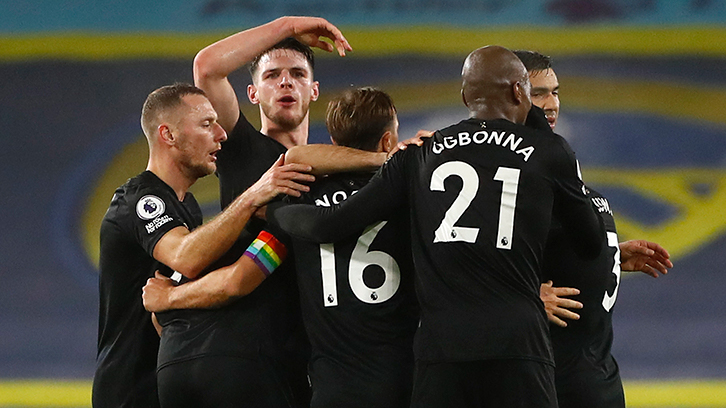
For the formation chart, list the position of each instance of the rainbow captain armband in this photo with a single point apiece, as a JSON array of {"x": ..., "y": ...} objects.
[{"x": 267, "y": 252}]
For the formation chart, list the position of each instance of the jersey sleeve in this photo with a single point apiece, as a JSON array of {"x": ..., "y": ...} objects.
[
  {"x": 151, "y": 215},
  {"x": 376, "y": 201},
  {"x": 572, "y": 208}
]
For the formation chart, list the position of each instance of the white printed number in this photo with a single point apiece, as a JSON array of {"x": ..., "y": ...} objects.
[
  {"x": 359, "y": 260},
  {"x": 447, "y": 230},
  {"x": 607, "y": 300}
]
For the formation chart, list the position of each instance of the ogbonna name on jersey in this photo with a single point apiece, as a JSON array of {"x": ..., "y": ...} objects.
[{"x": 500, "y": 139}]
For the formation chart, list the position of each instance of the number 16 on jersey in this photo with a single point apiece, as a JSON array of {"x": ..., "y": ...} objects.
[{"x": 360, "y": 259}]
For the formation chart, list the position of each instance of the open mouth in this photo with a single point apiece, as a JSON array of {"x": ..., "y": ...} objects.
[
  {"x": 551, "y": 120},
  {"x": 286, "y": 100}
]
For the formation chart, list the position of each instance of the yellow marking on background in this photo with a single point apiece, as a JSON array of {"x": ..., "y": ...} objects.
[
  {"x": 45, "y": 393},
  {"x": 627, "y": 95},
  {"x": 432, "y": 39},
  {"x": 672, "y": 394},
  {"x": 698, "y": 218},
  {"x": 638, "y": 394}
]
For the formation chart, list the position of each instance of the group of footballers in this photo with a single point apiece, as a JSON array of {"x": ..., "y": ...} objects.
[{"x": 389, "y": 275}]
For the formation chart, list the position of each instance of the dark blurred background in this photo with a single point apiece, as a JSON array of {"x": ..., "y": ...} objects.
[{"x": 643, "y": 90}]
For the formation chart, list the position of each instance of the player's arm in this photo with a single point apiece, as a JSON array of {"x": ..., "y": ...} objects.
[
  {"x": 385, "y": 194},
  {"x": 644, "y": 256},
  {"x": 220, "y": 286},
  {"x": 213, "y": 64},
  {"x": 329, "y": 159},
  {"x": 190, "y": 252},
  {"x": 557, "y": 305}
]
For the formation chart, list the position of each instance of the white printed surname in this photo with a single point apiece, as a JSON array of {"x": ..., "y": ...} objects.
[{"x": 497, "y": 138}]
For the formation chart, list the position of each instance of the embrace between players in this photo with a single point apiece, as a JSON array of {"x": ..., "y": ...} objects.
[{"x": 416, "y": 284}]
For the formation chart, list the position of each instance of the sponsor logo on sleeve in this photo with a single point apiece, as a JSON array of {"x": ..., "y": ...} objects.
[{"x": 150, "y": 207}]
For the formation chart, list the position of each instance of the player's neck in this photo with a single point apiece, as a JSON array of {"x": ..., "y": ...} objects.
[
  {"x": 288, "y": 137},
  {"x": 173, "y": 175},
  {"x": 493, "y": 113}
]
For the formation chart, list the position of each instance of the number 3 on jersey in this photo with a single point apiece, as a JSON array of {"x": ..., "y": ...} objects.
[
  {"x": 608, "y": 301},
  {"x": 448, "y": 231},
  {"x": 359, "y": 260}
]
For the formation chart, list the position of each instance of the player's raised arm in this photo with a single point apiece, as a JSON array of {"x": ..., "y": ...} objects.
[{"x": 213, "y": 64}]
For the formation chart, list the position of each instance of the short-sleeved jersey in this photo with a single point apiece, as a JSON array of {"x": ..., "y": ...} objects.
[
  {"x": 141, "y": 212},
  {"x": 358, "y": 306},
  {"x": 585, "y": 343},
  {"x": 481, "y": 196}
]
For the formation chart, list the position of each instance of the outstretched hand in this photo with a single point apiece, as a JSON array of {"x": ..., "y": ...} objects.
[
  {"x": 280, "y": 179},
  {"x": 312, "y": 30},
  {"x": 557, "y": 306},
  {"x": 644, "y": 256}
]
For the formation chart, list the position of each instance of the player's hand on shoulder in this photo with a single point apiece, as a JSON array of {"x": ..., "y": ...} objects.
[
  {"x": 417, "y": 140},
  {"x": 155, "y": 293},
  {"x": 557, "y": 306}
]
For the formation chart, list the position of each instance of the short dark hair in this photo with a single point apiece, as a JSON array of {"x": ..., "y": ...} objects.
[
  {"x": 286, "y": 44},
  {"x": 359, "y": 117},
  {"x": 534, "y": 61},
  {"x": 162, "y": 99}
]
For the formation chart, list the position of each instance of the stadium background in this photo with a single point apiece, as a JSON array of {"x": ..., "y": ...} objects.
[{"x": 643, "y": 96}]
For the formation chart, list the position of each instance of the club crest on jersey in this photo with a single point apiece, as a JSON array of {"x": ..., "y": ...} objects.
[{"x": 149, "y": 207}]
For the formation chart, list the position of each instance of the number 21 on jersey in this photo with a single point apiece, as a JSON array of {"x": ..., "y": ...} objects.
[
  {"x": 448, "y": 231},
  {"x": 359, "y": 261}
]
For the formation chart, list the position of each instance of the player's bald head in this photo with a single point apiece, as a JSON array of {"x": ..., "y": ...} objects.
[{"x": 494, "y": 79}]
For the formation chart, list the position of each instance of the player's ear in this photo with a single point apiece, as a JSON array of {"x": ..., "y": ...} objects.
[
  {"x": 316, "y": 91},
  {"x": 386, "y": 144},
  {"x": 252, "y": 94},
  {"x": 519, "y": 92},
  {"x": 463, "y": 98},
  {"x": 165, "y": 134}
]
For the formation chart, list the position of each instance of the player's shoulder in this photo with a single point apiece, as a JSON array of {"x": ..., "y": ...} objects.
[
  {"x": 244, "y": 135},
  {"x": 145, "y": 195},
  {"x": 335, "y": 188},
  {"x": 466, "y": 124}
]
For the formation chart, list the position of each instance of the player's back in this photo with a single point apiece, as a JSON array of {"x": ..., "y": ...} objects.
[
  {"x": 482, "y": 195},
  {"x": 358, "y": 305}
]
